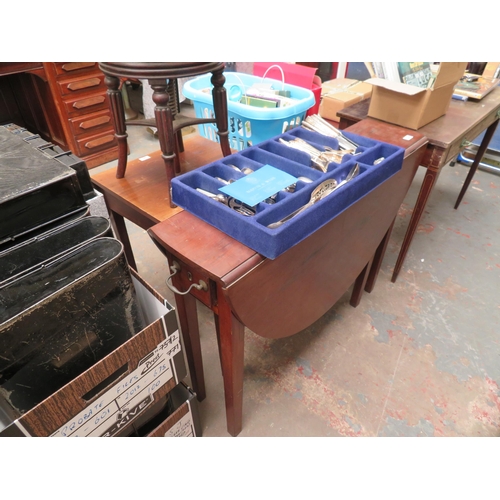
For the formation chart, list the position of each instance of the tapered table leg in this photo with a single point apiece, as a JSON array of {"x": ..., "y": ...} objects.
[
  {"x": 359, "y": 285},
  {"x": 377, "y": 260},
  {"x": 428, "y": 183},
  {"x": 479, "y": 156},
  {"x": 120, "y": 229},
  {"x": 231, "y": 351}
]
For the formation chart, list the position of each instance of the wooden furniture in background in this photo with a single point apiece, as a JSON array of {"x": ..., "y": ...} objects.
[
  {"x": 66, "y": 103},
  {"x": 448, "y": 135},
  {"x": 158, "y": 75},
  {"x": 280, "y": 297}
]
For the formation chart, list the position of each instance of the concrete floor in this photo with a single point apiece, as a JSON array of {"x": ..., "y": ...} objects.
[{"x": 420, "y": 357}]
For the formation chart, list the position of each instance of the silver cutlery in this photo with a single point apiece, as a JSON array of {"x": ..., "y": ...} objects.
[
  {"x": 322, "y": 191},
  {"x": 321, "y": 126},
  {"x": 319, "y": 159},
  {"x": 230, "y": 202}
]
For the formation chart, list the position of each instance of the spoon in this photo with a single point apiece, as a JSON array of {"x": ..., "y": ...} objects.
[
  {"x": 244, "y": 170},
  {"x": 353, "y": 173},
  {"x": 293, "y": 187},
  {"x": 321, "y": 191}
]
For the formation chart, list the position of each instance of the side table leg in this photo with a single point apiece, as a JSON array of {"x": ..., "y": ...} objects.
[
  {"x": 359, "y": 285},
  {"x": 164, "y": 123},
  {"x": 231, "y": 344},
  {"x": 116, "y": 103},
  {"x": 479, "y": 156},
  {"x": 377, "y": 260},
  {"x": 430, "y": 179},
  {"x": 220, "y": 108},
  {"x": 118, "y": 224}
]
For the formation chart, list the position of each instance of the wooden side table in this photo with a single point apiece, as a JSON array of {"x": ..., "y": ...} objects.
[
  {"x": 141, "y": 197},
  {"x": 158, "y": 74},
  {"x": 280, "y": 297},
  {"x": 448, "y": 135}
]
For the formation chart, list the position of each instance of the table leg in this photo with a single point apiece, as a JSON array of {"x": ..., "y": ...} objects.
[
  {"x": 188, "y": 323},
  {"x": 430, "y": 179},
  {"x": 231, "y": 344},
  {"x": 116, "y": 103},
  {"x": 479, "y": 156},
  {"x": 120, "y": 229},
  {"x": 359, "y": 285},
  {"x": 164, "y": 123},
  {"x": 220, "y": 108},
  {"x": 377, "y": 260}
]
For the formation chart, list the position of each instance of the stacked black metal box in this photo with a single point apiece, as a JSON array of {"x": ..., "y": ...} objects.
[{"x": 67, "y": 296}]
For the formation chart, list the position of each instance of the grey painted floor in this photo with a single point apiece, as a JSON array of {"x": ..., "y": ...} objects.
[{"x": 420, "y": 357}]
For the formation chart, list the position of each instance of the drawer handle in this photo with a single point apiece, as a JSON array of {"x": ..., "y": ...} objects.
[
  {"x": 99, "y": 142},
  {"x": 75, "y": 66},
  {"x": 465, "y": 143},
  {"x": 95, "y": 122},
  {"x": 84, "y": 84},
  {"x": 175, "y": 268},
  {"x": 85, "y": 103}
]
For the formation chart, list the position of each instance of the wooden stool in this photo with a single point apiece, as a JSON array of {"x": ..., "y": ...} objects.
[{"x": 159, "y": 74}]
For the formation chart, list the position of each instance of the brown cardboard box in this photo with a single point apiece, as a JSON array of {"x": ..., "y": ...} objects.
[
  {"x": 341, "y": 93},
  {"x": 414, "y": 107},
  {"x": 336, "y": 85},
  {"x": 107, "y": 399},
  {"x": 184, "y": 421},
  {"x": 332, "y": 103}
]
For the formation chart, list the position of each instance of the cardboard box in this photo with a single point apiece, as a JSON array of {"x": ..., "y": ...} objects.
[
  {"x": 108, "y": 398},
  {"x": 293, "y": 74},
  {"x": 341, "y": 93},
  {"x": 179, "y": 419},
  {"x": 337, "y": 85},
  {"x": 331, "y": 104},
  {"x": 413, "y": 107}
]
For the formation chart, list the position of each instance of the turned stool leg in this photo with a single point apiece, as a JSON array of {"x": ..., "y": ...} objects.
[
  {"x": 116, "y": 103},
  {"x": 164, "y": 123},
  {"x": 220, "y": 109}
]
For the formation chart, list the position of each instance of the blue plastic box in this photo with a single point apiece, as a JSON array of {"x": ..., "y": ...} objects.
[
  {"x": 248, "y": 125},
  {"x": 253, "y": 231}
]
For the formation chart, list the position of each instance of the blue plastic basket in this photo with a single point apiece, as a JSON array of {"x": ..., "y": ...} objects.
[{"x": 248, "y": 125}]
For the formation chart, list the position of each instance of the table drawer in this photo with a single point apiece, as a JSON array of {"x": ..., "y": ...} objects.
[
  {"x": 466, "y": 139},
  {"x": 74, "y": 68},
  {"x": 82, "y": 85},
  {"x": 98, "y": 142},
  {"x": 93, "y": 123},
  {"x": 78, "y": 105}
]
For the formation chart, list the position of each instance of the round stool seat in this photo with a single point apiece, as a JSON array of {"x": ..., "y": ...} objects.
[{"x": 147, "y": 71}]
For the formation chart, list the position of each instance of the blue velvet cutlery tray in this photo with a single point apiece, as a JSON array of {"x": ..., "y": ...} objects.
[{"x": 377, "y": 161}]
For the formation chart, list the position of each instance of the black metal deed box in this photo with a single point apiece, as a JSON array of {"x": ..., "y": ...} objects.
[{"x": 35, "y": 189}]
